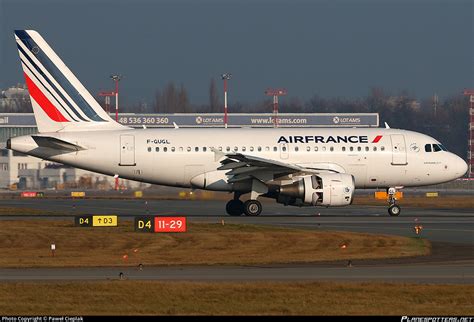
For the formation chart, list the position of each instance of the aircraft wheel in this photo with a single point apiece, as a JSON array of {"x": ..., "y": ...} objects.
[
  {"x": 235, "y": 207},
  {"x": 252, "y": 208},
  {"x": 394, "y": 210}
]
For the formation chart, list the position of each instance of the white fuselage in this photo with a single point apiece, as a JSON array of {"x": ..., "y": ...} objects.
[{"x": 376, "y": 157}]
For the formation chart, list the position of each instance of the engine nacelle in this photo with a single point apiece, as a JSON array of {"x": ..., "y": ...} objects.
[{"x": 326, "y": 189}]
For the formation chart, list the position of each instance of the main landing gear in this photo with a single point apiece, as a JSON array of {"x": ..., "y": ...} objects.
[
  {"x": 394, "y": 209},
  {"x": 236, "y": 207},
  {"x": 251, "y": 207}
]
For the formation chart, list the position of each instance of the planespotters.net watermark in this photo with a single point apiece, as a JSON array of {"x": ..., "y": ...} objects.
[
  {"x": 437, "y": 319},
  {"x": 45, "y": 318}
]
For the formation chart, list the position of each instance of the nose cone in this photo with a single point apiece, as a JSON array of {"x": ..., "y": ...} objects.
[{"x": 459, "y": 166}]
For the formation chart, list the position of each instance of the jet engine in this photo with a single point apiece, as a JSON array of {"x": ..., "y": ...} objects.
[{"x": 325, "y": 189}]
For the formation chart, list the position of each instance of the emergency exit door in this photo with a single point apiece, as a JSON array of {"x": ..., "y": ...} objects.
[
  {"x": 127, "y": 150},
  {"x": 399, "y": 151}
]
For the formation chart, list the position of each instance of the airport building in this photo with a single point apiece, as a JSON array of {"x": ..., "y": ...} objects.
[{"x": 18, "y": 171}]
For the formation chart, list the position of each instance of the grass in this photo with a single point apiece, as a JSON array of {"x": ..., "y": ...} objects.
[
  {"x": 27, "y": 244},
  {"x": 230, "y": 298}
]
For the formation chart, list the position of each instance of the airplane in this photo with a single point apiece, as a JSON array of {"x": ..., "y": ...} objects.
[{"x": 294, "y": 166}]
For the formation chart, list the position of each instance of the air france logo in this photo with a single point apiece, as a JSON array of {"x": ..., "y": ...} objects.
[
  {"x": 335, "y": 120},
  {"x": 199, "y": 120},
  {"x": 328, "y": 139}
]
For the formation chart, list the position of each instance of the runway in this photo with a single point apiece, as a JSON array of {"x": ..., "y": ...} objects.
[
  {"x": 443, "y": 225},
  {"x": 459, "y": 273},
  {"x": 451, "y": 232}
]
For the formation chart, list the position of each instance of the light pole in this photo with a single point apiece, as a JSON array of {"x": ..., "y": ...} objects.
[
  {"x": 225, "y": 77},
  {"x": 470, "y": 153},
  {"x": 107, "y": 96},
  {"x": 275, "y": 93},
  {"x": 116, "y": 79}
]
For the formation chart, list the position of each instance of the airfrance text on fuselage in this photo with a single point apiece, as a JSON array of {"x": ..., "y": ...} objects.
[{"x": 323, "y": 139}]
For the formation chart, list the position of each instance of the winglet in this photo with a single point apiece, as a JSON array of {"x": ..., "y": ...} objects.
[
  {"x": 386, "y": 125},
  {"x": 175, "y": 125}
]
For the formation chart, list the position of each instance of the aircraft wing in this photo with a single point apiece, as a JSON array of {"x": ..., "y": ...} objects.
[{"x": 245, "y": 167}]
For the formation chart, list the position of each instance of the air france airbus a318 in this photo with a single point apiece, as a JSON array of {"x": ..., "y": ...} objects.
[{"x": 297, "y": 167}]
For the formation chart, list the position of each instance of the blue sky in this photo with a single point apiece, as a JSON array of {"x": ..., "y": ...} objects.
[{"x": 330, "y": 48}]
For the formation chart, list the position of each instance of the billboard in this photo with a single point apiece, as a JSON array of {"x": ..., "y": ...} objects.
[{"x": 217, "y": 120}]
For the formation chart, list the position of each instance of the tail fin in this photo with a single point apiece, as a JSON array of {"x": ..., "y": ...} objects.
[{"x": 60, "y": 102}]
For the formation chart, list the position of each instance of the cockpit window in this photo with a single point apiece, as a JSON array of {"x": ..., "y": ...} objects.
[{"x": 434, "y": 148}]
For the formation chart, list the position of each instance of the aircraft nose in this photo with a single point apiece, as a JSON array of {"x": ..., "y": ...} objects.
[{"x": 459, "y": 165}]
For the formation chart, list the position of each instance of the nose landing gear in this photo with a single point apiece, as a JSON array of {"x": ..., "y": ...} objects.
[{"x": 394, "y": 209}]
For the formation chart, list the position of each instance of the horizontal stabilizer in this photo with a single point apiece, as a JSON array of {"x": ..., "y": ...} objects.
[{"x": 54, "y": 143}]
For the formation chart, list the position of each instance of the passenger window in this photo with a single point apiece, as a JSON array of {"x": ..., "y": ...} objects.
[
  {"x": 267, "y": 148},
  {"x": 204, "y": 149},
  {"x": 367, "y": 148},
  {"x": 227, "y": 149},
  {"x": 283, "y": 148},
  {"x": 343, "y": 148},
  {"x": 259, "y": 148},
  {"x": 251, "y": 149},
  {"x": 275, "y": 149},
  {"x": 427, "y": 147},
  {"x": 172, "y": 149},
  {"x": 375, "y": 149},
  {"x": 188, "y": 149},
  {"x": 331, "y": 149},
  {"x": 351, "y": 148},
  {"x": 243, "y": 149},
  {"x": 382, "y": 148},
  {"x": 316, "y": 148},
  {"x": 308, "y": 148},
  {"x": 235, "y": 149},
  {"x": 220, "y": 148},
  {"x": 296, "y": 149},
  {"x": 181, "y": 149},
  {"x": 157, "y": 149},
  {"x": 196, "y": 149},
  {"x": 359, "y": 148},
  {"x": 149, "y": 149},
  {"x": 324, "y": 148},
  {"x": 165, "y": 149}
]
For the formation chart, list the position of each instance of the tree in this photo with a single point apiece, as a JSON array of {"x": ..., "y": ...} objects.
[
  {"x": 213, "y": 97},
  {"x": 183, "y": 101},
  {"x": 158, "y": 107}
]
